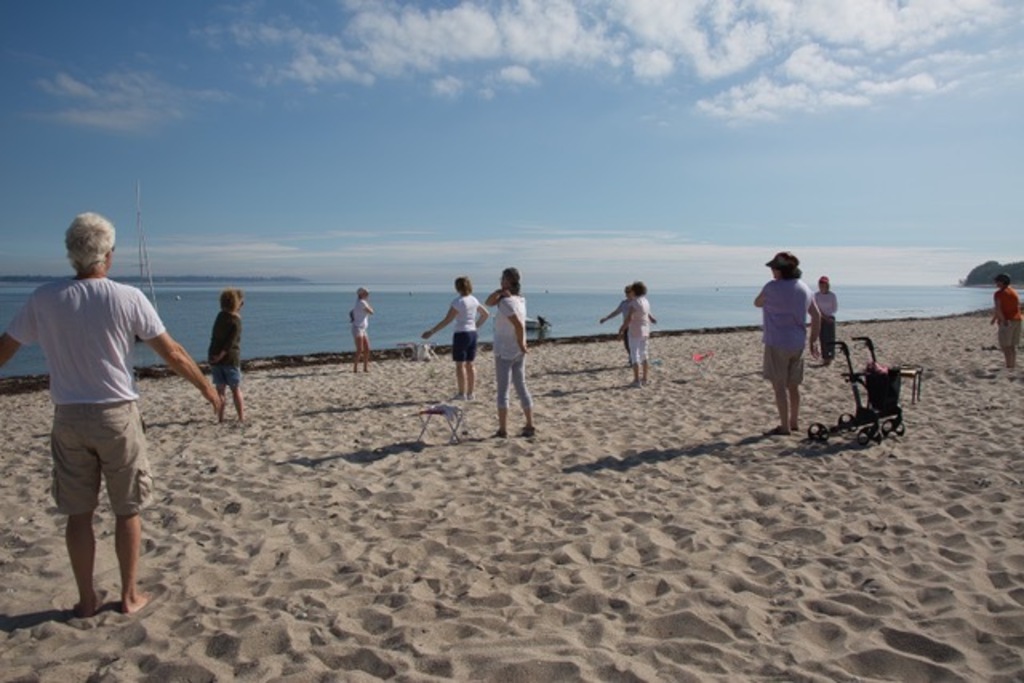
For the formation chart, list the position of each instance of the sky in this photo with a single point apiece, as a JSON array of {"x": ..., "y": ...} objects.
[{"x": 588, "y": 142}]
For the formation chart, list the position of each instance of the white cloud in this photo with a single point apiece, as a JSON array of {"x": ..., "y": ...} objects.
[
  {"x": 809, "y": 64},
  {"x": 766, "y": 99},
  {"x": 314, "y": 57},
  {"x": 652, "y": 65},
  {"x": 516, "y": 75},
  {"x": 916, "y": 84},
  {"x": 546, "y": 31},
  {"x": 123, "y": 101},
  {"x": 448, "y": 86},
  {"x": 880, "y": 25},
  {"x": 392, "y": 39},
  {"x": 738, "y": 59},
  {"x": 751, "y": 59},
  {"x": 64, "y": 85},
  {"x": 810, "y": 82}
]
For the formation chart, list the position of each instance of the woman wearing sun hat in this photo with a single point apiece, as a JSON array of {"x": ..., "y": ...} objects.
[
  {"x": 828, "y": 304},
  {"x": 785, "y": 304}
]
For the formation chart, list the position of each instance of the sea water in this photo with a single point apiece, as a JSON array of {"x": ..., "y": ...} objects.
[{"x": 304, "y": 318}]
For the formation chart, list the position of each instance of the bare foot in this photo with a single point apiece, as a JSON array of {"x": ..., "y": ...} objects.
[
  {"x": 87, "y": 608},
  {"x": 133, "y": 605}
]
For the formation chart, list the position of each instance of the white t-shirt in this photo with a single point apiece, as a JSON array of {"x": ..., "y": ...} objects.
[
  {"x": 506, "y": 344},
  {"x": 87, "y": 330},
  {"x": 360, "y": 315},
  {"x": 465, "y": 309},
  {"x": 827, "y": 302}
]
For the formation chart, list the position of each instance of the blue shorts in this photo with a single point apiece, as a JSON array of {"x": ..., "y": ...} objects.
[
  {"x": 464, "y": 347},
  {"x": 226, "y": 375}
]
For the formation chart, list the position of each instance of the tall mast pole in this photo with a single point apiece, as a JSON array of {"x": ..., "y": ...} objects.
[{"x": 145, "y": 272}]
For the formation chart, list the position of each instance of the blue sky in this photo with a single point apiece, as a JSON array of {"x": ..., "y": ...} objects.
[{"x": 588, "y": 142}]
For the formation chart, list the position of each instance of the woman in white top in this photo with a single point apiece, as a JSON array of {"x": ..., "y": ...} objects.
[
  {"x": 636, "y": 327},
  {"x": 828, "y": 305},
  {"x": 510, "y": 350},
  {"x": 359, "y": 316},
  {"x": 468, "y": 315}
]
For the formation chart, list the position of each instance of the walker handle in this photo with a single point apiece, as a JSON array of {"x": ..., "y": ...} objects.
[{"x": 868, "y": 343}]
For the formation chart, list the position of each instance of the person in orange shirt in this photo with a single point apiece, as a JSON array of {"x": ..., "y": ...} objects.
[{"x": 1006, "y": 314}]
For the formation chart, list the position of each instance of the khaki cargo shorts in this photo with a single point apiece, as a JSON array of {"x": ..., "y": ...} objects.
[
  {"x": 1009, "y": 334},
  {"x": 90, "y": 442},
  {"x": 783, "y": 366}
]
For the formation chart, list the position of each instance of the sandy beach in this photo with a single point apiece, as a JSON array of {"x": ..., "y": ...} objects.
[{"x": 649, "y": 534}]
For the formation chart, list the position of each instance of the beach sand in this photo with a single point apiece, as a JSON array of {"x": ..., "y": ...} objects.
[{"x": 646, "y": 534}]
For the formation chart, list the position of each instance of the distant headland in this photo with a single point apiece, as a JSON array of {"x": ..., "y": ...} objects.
[
  {"x": 986, "y": 272},
  {"x": 165, "y": 279}
]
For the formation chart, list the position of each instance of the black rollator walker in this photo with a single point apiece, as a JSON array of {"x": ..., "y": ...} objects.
[{"x": 881, "y": 414}]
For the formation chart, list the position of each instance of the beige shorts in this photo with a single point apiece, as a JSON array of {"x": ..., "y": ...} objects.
[
  {"x": 783, "y": 366},
  {"x": 90, "y": 442},
  {"x": 1009, "y": 334}
]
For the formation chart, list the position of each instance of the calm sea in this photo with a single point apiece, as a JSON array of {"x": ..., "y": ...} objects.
[{"x": 301, "y": 318}]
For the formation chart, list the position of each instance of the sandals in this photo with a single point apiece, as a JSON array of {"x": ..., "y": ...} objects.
[
  {"x": 777, "y": 431},
  {"x": 529, "y": 431}
]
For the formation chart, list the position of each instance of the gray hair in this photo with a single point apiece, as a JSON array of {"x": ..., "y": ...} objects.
[{"x": 88, "y": 240}]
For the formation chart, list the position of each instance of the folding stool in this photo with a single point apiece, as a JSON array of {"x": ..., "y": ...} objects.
[
  {"x": 703, "y": 362},
  {"x": 452, "y": 416}
]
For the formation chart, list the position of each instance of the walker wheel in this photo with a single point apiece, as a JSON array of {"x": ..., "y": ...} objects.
[
  {"x": 867, "y": 434},
  {"x": 846, "y": 421},
  {"x": 887, "y": 427},
  {"x": 817, "y": 432},
  {"x": 899, "y": 428}
]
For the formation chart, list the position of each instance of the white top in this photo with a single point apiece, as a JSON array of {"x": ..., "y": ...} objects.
[
  {"x": 360, "y": 315},
  {"x": 639, "y": 318},
  {"x": 506, "y": 345},
  {"x": 465, "y": 308},
  {"x": 827, "y": 302},
  {"x": 87, "y": 330}
]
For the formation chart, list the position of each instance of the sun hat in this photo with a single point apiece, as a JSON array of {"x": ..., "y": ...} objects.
[
  {"x": 783, "y": 260},
  {"x": 823, "y": 278}
]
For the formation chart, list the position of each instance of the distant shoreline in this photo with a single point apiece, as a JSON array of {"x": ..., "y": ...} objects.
[
  {"x": 23, "y": 384},
  {"x": 179, "y": 279}
]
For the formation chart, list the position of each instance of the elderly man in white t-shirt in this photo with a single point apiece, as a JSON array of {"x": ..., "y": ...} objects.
[{"x": 87, "y": 328}]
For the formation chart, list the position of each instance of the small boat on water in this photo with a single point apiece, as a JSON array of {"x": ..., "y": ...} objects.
[{"x": 537, "y": 324}]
